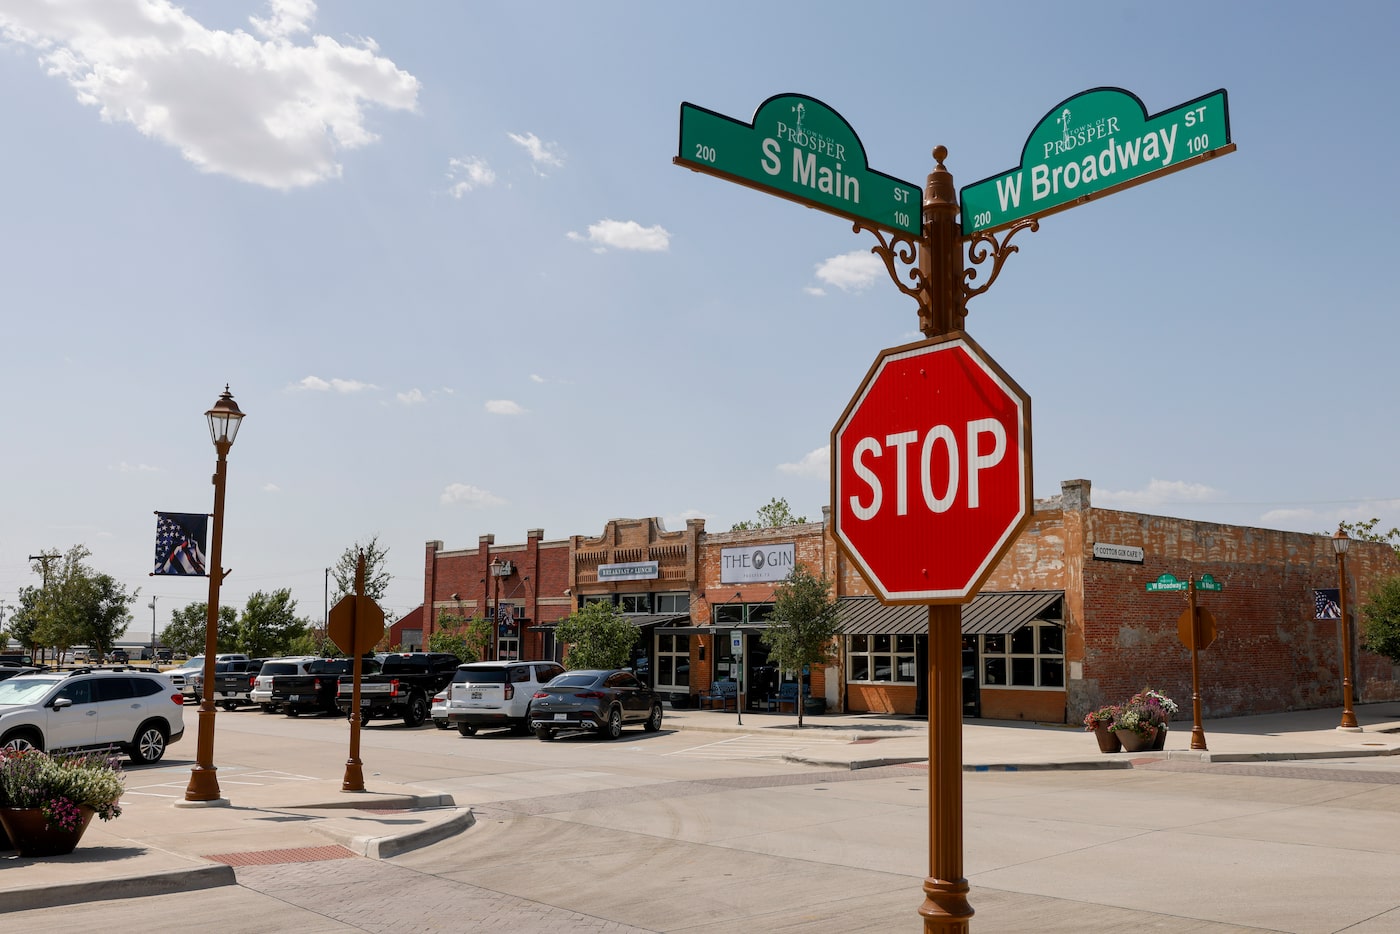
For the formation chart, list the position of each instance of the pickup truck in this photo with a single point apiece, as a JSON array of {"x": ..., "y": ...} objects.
[
  {"x": 233, "y": 681},
  {"x": 315, "y": 690},
  {"x": 402, "y": 689}
]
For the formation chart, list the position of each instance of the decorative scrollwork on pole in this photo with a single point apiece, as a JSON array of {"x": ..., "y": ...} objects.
[
  {"x": 903, "y": 250},
  {"x": 984, "y": 245}
]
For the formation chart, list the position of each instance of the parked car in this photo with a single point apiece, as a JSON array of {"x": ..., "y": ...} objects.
[
  {"x": 402, "y": 689},
  {"x": 486, "y": 695},
  {"x": 314, "y": 691},
  {"x": 189, "y": 677},
  {"x": 137, "y": 712},
  {"x": 119, "y": 656},
  {"x": 9, "y": 671},
  {"x": 439, "y": 711},
  {"x": 233, "y": 682},
  {"x": 164, "y": 655},
  {"x": 601, "y": 701},
  {"x": 273, "y": 667}
]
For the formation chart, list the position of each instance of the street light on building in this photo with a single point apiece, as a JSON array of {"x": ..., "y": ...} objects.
[
  {"x": 1340, "y": 543},
  {"x": 224, "y": 419}
]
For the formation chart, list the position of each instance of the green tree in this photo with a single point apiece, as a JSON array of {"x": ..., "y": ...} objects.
[
  {"x": 377, "y": 576},
  {"x": 25, "y": 618},
  {"x": 803, "y": 626},
  {"x": 598, "y": 636},
  {"x": 187, "y": 629},
  {"x": 468, "y": 639},
  {"x": 76, "y": 605},
  {"x": 776, "y": 514},
  {"x": 268, "y": 624},
  {"x": 1380, "y": 631},
  {"x": 308, "y": 643}
]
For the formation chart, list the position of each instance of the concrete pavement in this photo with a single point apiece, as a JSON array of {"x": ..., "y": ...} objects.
[{"x": 148, "y": 852}]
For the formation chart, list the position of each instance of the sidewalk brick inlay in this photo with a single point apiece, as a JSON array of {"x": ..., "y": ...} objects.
[{"x": 305, "y": 854}]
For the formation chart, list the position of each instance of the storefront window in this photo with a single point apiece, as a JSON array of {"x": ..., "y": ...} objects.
[
  {"x": 1033, "y": 657},
  {"x": 673, "y": 603},
  {"x": 634, "y": 602},
  {"x": 672, "y": 662},
  {"x": 881, "y": 657}
]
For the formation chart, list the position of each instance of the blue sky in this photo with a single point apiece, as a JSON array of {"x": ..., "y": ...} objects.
[{"x": 441, "y": 256}]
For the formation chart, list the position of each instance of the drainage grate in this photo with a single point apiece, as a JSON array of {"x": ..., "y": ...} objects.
[{"x": 305, "y": 854}]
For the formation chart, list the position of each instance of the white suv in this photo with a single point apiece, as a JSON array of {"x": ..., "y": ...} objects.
[
  {"x": 137, "y": 712},
  {"x": 262, "y": 684},
  {"x": 495, "y": 694}
]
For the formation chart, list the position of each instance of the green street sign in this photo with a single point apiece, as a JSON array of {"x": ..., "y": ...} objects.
[
  {"x": 1094, "y": 144},
  {"x": 1166, "y": 582},
  {"x": 800, "y": 149},
  {"x": 1209, "y": 583}
]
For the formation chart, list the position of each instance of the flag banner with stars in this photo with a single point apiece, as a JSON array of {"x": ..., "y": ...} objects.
[
  {"x": 1328, "y": 603},
  {"x": 180, "y": 538}
]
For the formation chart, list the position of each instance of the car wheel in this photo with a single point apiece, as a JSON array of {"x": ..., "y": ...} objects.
[
  {"x": 229, "y": 705},
  {"x": 654, "y": 721},
  {"x": 466, "y": 729},
  {"x": 440, "y": 724},
  {"x": 544, "y": 733},
  {"x": 293, "y": 712},
  {"x": 149, "y": 745},
  {"x": 521, "y": 727},
  {"x": 268, "y": 708},
  {"x": 417, "y": 711},
  {"x": 613, "y": 728},
  {"x": 22, "y": 739}
]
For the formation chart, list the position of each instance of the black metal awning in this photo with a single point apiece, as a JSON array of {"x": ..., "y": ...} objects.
[{"x": 989, "y": 612}]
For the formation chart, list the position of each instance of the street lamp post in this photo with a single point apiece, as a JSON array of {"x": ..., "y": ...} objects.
[
  {"x": 224, "y": 419},
  {"x": 154, "y": 598},
  {"x": 1340, "y": 543}
]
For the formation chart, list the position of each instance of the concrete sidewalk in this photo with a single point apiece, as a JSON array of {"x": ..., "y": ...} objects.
[{"x": 141, "y": 854}]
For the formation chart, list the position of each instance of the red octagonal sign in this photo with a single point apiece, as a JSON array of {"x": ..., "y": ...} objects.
[{"x": 931, "y": 471}]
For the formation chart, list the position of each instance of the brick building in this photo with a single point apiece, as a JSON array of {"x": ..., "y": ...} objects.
[{"x": 1064, "y": 623}]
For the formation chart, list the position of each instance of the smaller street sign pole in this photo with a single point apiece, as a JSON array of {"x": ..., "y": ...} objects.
[{"x": 1198, "y": 735}]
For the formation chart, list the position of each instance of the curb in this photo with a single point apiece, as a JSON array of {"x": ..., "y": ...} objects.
[
  {"x": 136, "y": 886},
  {"x": 391, "y": 845}
]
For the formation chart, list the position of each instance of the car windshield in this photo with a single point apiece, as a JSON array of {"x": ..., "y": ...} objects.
[
  {"x": 21, "y": 690},
  {"x": 196, "y": 662}
]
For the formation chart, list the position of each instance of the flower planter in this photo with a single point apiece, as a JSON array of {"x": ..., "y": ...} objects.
[
  {"x": 1108, "y": 740},
  {"x": 1135, "y": 742},
  {"x": 1159, "y": 742},
  {"x": 29, "y": 832}
]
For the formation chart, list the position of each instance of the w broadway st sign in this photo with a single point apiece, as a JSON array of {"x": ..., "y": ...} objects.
[{"x": 931, "y": 471}]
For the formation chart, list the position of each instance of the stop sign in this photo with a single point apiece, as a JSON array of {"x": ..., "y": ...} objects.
[{"x": 931, "y": 471}]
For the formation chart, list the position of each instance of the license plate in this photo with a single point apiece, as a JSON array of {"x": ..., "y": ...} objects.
[
  {"x": 561, "y": 716},
  {"x": 364, "y": 702},
  {"x": 476, "y": 695},
  {"x": 294, "y": 698}
]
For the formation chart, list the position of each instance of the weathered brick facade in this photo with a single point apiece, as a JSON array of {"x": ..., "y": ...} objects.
[{"x": 1271, "y": 655}]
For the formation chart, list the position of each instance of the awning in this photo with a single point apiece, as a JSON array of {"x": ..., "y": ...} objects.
[
  {"x": 989, "y": 612},
  {"x": 640, "y": 620}
]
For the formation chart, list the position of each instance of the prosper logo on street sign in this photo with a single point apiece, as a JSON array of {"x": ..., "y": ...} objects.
[
  {"x": 1092, "y": 144},
  {"x": 800, "y": 149}
]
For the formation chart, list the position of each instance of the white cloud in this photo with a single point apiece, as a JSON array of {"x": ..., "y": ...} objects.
[
  {"x": 624, "y": 235},
  {"x": 271, "y": 488},
  {"x": 541, "y": 153},
  {"x": 316, "y": 384},
  {"x": 262, "y": 110},
  {"x": 503, "y": 407},
  {"x": 815, "y": 463},
  {"x": 469, "y": 496},
  {"x": 1158, "y": 493},
  {"x": 124, "y": 467},
  {"x": 678, "y": 521},
  {"x": 412, "y": 397},
  {"x": 467, "y": 174},
  {"x": 536, "y": 378},
  {"x": 816, "y": 290},
  {"x": 851, "y": 272}
]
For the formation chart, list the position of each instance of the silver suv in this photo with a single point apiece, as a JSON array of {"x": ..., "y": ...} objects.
[
  {"x": 483, "y": 695},
  {"x": 137, "y": 712}
]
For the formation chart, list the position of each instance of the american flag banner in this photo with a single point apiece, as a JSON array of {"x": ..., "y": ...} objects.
[
  {"x": 1328, "y": 603},
  {"x": 180, "y": 543}
]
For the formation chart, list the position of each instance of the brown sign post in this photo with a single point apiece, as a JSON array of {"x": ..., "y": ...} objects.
[{"x": 355, "y": 625}]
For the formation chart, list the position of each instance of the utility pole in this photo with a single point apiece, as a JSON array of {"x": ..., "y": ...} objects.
[
  {"x": 44, "y": 560},
  {"x": 154, "y": 598}
]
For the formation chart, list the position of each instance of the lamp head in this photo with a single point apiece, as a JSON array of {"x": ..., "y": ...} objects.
[
  {"x": 224, "y": 419},
  {"x": 1341, "y": 541}
]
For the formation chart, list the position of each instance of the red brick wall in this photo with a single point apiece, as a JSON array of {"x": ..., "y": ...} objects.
[{"x": 1013, "y": 704}]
